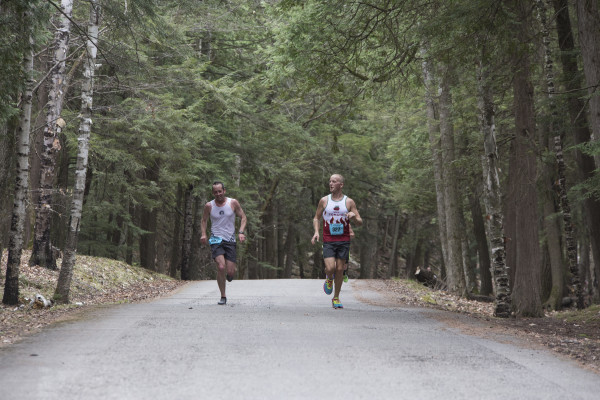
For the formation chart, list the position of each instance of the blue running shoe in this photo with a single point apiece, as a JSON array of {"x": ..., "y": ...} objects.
[
  {"x": 328, "y": 286},
  {"x": 335, "y": 302}
]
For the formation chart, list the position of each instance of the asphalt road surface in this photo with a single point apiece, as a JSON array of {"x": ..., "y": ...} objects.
[{"x": 278, "y": 339}]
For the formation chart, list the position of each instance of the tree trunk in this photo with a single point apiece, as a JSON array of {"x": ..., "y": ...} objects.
[
  {"x": 434, "y": 141},
  {"x": 554, "y": 246},
  {"x": 201, "y": 258},
  {"x": 483, "y": 251},
  {"x": 302, "y": 261},
  {"x": 42, "y": 247},
  {"x": 270, "y": 243},
  {"x": 393, "y": 266},
  {"x": 188, "y": 229},
  {"x": 290, "y": 244},
  {"x": 576, "y": 291},
  {"x": 149, "y": 220},
  {"x": 85, "y": 125},
  {"x": 129, "y": 234},
  {"x": 455, "y": 278},
  {"x": 469, "y": 266},
  {"x": 37, "y": 144},
  {"x": 552, "y": 231},
  {"x": 19, "y": 213},
  {"x": 281, "y": 250},
  {"x": 527, "y": 287},
  {"x": 368, "y": 242},
  {"x": 492, "y": 196},
  {"x": 414, "y": 259},
  {"x": 7, "y": 178},
  {"x": 318, "y": 271},
  {"x": 177, "y": 248},
  {"x": 588, "y": 24},
  {"x": 579, "y": 124}
]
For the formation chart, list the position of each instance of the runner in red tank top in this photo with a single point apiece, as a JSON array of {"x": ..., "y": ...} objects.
[{"x": 337, "y": 212}]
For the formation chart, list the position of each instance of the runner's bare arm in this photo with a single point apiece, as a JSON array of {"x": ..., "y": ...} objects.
[
  {"x": 353, "y": 214},
  {"x": 205, "y": 215},
  {"x": 237, "y": 208},
  {"x": 317, "y": 218}
]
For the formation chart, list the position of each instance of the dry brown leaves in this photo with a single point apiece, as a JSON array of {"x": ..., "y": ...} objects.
[
  {"x": 571, "y": 333},
  {"x": 96, "y": 281}
]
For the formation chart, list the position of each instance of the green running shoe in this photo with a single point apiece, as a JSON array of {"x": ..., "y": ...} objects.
[
  {"x": 328, "y": 286},
  {"x": 335, "y": 302}
]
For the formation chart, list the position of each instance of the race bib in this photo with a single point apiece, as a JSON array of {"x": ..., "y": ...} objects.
[
  {"x": 215, "y": 240},
  {"x": 336, "y": 229}
]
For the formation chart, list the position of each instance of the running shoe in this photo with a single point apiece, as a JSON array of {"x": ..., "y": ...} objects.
[
  {"x": 328, "y": 286},
  {"x": 223, "y": 301},
  {"x": 335, "y": 302},
  {"x": 229, "y": 278},
  {"x": 345, "y": 276}
]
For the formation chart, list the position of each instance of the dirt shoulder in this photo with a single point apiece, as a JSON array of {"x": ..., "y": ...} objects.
[
  {"x": 96, "y": 282},
  {"x": 573, "y": 334}
]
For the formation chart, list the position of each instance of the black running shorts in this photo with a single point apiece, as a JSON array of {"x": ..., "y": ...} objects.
[
  {"x": 224, "y": 248},
  {"x": 340, "y": 250}
]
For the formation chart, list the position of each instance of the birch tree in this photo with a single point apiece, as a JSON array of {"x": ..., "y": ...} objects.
[
  {"x": 557, "y": 273},
  {"x": 580, "y": 128},
  {"x": 85, "y": 126},
  {"x": 15, "y": 248},
  {"x": 42, "y": 246},
  {"x": 492, "y": 194}
]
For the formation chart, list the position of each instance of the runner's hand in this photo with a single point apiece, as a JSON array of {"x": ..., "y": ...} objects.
[{"x": 315, "y": 238}]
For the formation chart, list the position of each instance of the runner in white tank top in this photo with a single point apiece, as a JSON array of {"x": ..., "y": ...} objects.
[{"x": 222, "y": 212}]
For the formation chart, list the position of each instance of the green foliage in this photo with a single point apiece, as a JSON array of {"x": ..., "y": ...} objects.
[
  {"x": 272, "y": 97},
  {"x": 15, "y": 29}
]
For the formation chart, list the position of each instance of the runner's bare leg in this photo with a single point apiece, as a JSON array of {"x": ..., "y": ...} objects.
[
  {"x": 339, "y": 276},
  {"x": 220, "y": 260}
]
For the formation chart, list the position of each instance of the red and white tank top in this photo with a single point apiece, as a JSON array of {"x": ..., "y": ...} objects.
[{"x": 336, "y": 227}]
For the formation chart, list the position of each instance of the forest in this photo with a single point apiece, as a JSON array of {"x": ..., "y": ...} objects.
[{"x": 466, "y": 131}]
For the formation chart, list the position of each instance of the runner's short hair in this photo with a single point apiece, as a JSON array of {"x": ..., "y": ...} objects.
[{"x": 215, "y": 183}]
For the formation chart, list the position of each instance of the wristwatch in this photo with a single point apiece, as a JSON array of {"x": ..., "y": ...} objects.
[{"x": 241, "y": 233}]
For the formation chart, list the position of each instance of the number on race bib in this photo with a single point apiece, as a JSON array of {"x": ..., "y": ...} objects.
[
  {"x": 215, "y": 240},
  {"x": 336, "y": 229}
]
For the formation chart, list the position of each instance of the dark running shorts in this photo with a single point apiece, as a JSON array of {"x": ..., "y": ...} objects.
[
  {"x": 224, "y": 248},
  {"x": 340, "y": 250}
]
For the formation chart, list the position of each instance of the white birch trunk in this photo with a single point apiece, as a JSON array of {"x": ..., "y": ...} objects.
[
  {"x": 87, "y": 93},
  {"x": 492, "y": 198},
  {"x": 42, "y": 248},
  {"x": 557, "y": 276},
  {"x": 15, "y": 247}
]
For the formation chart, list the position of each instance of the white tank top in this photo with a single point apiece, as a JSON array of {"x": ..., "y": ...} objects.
[{"x": 222, "y": 220}]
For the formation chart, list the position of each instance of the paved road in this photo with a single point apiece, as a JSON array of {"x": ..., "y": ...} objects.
[{"x": 277, "y": 340}]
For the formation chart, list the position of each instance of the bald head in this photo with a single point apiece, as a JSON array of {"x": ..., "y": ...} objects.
[{"x": 338, "y": 177}]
